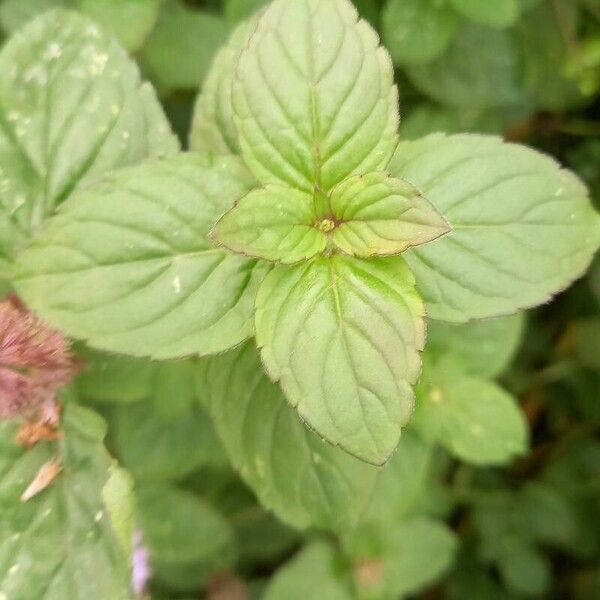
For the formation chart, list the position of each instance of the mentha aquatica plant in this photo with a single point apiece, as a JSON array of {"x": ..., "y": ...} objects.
[{"x": 297, "y": 219}]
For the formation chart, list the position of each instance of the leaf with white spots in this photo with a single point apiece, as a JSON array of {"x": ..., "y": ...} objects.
[
  {"x": 62, "y": 543},
  {"x": 314, "y": 96},
  {"x": 301, "y": 478},
  {"x": 72, "y": 106},
  {"x": 127, "y": 265},
  {"x": 523, "y": 229},
  {"x": 343, "y": 337}
]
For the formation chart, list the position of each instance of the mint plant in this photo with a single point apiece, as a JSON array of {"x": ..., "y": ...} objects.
[{"x": 279, "y": 280}]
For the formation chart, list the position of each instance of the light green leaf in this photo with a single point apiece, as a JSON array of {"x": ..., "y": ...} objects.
[
  {"x": 213, "y": 126},
  {"x": 184, "y": 532},
  {"x": 72, "y": 106},
  {"x": 343, "y": 336},
  {"x": 378, "y": 215},
  {"x": 479, "y": 69},
  {"x": 407, "y": 556},
  {"x": 118, "y": 497},
  {"x": 180, "y": 49},
  {"x": 155, "y": 448},
  {"x": 417, "y": 31},
  {"x": 522, "y": 228},
  {"x": 130, "y": 20},
  {"x": 276, "y": 223},
  {"x": 500, "y": 13},
  {"x": 61, "y": 543},
  {"x": 314, "y": 96},
  {"x": 128, "y": 265},
  {"x": 483, "y": 348},
  {"x": 315, "y": 572},
  {"x": 304, "y": 480},
  {"x": 475, "y": 419}
]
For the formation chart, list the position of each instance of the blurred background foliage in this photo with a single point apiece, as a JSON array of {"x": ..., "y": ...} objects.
[{"x": 527, "y": 527}]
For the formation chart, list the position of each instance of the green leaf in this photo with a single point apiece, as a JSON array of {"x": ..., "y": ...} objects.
[
  {"x": 545, "y": 56},
  {"x": 475, "y": 419},
  {"x": 213, "y": 126},
  {"x": 276, "y": 223},
  {"x": 525, "y": 569},
  {"x": 483, "y": 348},
  {"x": 61, "y": 543},
  {"x": 72, "y": 106},
  {"x": 426, "y": 118},
  {"x": 128, "y": 265},
  {"x": 500, "y": 13},
  {"x": 183, "y": 533},
  {"x": 522, "y": 228},
  {"x": 314, "y": 96},
  {"x": 479, "y": 69},
  {"x": 130, "y": 20},
  {"x": 304, "y": 480},
  {"x": 164, "y": 449},
  {"x": 113, "y": 378},
  {"x": 378, "y": 215},
  {"x": 417, "y": 31},
  {"x": 236, "y": 10},
  {"x": 315, "y": 572},
  {"x": 181, "y": 47},
  {"x": 405, "y": 483},
  {"x": 343, "y": 336},
  {"x": 407, "y": 556}
]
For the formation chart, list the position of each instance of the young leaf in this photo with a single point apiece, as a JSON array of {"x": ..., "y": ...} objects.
[
  {"x": 343, "y": 336},
  {"x": 417, "y": 31},
  {"x": 66, "y": 530},
  {"x": 365, "y": 215},
  {"x": 378, "y": 215},
  {"x": 304, "y": 480},
  {"x": 314, "y": 96},
  {"x": 475, "y": 419},
  {"x": 276, "y": 223},
  {"x": 73, "y": 107},
  {"x": 128, "y": 265},
  {"x": 522, "y": 228},
  {"x": 500, "y": 13},
  {"x": 483, "y": 348},
  {"x": 213, "y": 127},
  {"x": 315, "y": 572}
]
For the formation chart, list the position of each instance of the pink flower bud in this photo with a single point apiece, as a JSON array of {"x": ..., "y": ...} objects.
[{"x": 35, "y": 362}]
